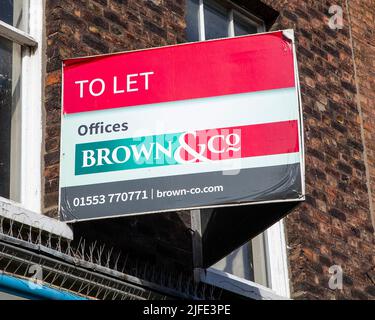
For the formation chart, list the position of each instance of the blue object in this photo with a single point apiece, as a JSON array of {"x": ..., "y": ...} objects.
[{"x": 29, "y": 290}]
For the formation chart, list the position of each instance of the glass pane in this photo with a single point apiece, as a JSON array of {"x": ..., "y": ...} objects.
[
  {"x": 248, "y": 262},
  {"x": 242, "y": 27},
  {"x": 259, "y": 259},
  {"x": 216, "y": 22},
  {"x": 14, "y": 12},
  {"x": 237, "y": 263},
  {"x": 10, "y": 118},
  {"x": 192, "y": 25}
]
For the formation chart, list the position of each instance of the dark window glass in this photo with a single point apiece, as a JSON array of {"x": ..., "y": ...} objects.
[
  {"x": 238, "y": 263},
  {"x": 13, "y": 12},
  {"x": 6, "y": 50},
  {"x": 10, "y": 119},
  {"x": 192, "y": 25},
  {"x": 6, "y": 11},
  {"x": 216, "y": 22},
  {"x": 243, "y": 27}
]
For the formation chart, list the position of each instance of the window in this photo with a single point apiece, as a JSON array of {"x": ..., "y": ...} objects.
[
  {"x": 208, "y": 19},
  {"x": 20, "y": 101},
  {"x": 10, "y": 121},
  {"x": 247, "y": 262},
  {"x": 263, "y": 260}
]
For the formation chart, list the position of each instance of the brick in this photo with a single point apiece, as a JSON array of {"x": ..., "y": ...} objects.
[
  {"x": 95, "y": 43},
  {"x": 53, "y": 78},
  {"x": 371, "y": 290},
  {"x": 325, "y": 261},
  {"x": 116, "y": 18},
  {"x": 155, "y": 29},
  {"x": 52, "y": 158},
  {"x": 358, "y": 294},
  {"x": 102, "y": 2},
  {"x": 344, "y": 168},
  {"x": 337, "y": 214}
]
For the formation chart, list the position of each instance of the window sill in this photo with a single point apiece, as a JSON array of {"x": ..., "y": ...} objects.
[
  {"x": 14, "y": 211},
  {"x": 237, "y": 285},
  {"x": 16, "y": 35}
]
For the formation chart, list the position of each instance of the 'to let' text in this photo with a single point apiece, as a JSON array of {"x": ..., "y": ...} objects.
[{"x": 118, "y": 85}]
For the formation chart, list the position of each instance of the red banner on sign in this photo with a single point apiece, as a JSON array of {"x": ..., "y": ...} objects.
[
  {"x": 242, "y": 142},
  {"x": 191, "y": 71}
]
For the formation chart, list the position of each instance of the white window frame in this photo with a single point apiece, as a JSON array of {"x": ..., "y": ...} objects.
[
  {"x": 277, "y": 259},
  {"x": 270, "y": 251},
  {"x": 31, "y": 105},
  {"x": 238, "y": 285},
  {"x": 234, "y": 10},
  {"x": 274, "y": 238}
]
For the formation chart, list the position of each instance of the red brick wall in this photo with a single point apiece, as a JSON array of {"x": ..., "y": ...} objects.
[
  {"x": 334, "y": 226},
  {"x": 362, "y": 20}
]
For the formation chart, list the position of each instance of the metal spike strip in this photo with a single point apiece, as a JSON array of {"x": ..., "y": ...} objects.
[{"x": 92, "y": 257}]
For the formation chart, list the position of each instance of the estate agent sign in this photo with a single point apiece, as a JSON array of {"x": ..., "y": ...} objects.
[{"x": 205, "y": 124}]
